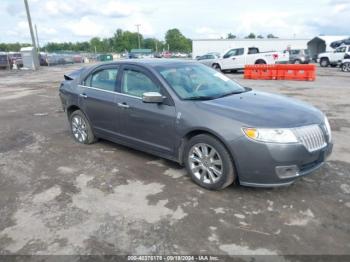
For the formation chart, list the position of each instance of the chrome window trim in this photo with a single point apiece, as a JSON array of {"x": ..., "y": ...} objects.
[{"x": 112, "y": 92}]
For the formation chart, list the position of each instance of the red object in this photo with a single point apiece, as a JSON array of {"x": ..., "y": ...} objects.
[
  {"x": 280, "y": 72},
  {"x": 275, "y": 56}
]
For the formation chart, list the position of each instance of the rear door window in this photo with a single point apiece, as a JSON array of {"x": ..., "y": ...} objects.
[
  {"x": 253, "y": 50},
  {"x": 104, "y": 79}
]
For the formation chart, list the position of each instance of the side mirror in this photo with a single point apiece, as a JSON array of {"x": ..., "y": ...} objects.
[{"x": 152, "y": 97}]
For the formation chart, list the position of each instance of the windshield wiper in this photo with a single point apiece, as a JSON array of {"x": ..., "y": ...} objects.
[
  {"x": 200, "y": 98},
  {"x": 232, "y": 93}
]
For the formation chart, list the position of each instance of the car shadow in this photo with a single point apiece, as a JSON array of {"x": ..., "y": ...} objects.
[{"x": 168, "y": 164}]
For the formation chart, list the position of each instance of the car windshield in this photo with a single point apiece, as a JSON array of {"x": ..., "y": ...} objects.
[{"x": 198, "y": 82}]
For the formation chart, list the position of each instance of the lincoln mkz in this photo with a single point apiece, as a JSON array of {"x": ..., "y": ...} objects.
[{"x": 184, "y": 111}]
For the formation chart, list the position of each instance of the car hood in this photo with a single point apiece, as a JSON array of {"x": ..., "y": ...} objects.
[{"x": 260, "y": 109}]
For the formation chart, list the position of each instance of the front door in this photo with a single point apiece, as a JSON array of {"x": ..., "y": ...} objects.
[
  {"x": 233, "y": 59},
  {"x": 339, "y": 53},
  {"x": 150, "y": 126}
]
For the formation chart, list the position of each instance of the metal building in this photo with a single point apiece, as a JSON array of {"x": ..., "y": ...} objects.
[{"x": 203, "y": 46}]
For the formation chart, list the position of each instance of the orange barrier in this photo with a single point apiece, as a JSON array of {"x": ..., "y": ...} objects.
[{"x": 280, "y": 72}]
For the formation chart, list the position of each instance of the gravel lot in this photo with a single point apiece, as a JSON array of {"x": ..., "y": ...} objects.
[{"x": 60, "y": 197}]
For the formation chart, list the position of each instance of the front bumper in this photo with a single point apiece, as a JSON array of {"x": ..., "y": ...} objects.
[{"x": 256, "y": 164}]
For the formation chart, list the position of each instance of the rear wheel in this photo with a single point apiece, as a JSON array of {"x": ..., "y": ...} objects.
[
  {"x": 324, "y": 62},
  {"x": 81, "y": 128},
  {"x": 209, "y": 163},
  {"x": 260, "y": 62}
]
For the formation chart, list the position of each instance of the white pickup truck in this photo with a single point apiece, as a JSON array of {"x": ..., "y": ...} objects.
[
  {"x": 333, "y": 58},
  {"x": 236, "y": 58}
]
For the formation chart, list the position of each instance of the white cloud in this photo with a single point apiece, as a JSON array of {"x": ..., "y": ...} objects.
[
  {"x": 57, "y": 7},
  {"x": 208, "y": 32},
  {"x": 118, "y": 9},
  {"x": 86, "y": 27},
  {"x": 79, "y": 20}
]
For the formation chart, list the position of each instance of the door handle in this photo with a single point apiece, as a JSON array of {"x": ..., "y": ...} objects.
[
  {"x": 123, "y": 105},
  {"x": 233, "y": 58},
  {"x": 83, "y": 95}
]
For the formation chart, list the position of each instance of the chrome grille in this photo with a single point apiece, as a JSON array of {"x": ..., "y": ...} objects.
[{"x": 311, "y": 137}]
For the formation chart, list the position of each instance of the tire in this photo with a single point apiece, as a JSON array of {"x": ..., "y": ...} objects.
[
  {"x": 345, "y": 67},
  {"x": 260, "y": 62},
  {"x": 297, "y": 61},
  {"x": 219, "y": 160},
  {"x": 324, "y": 62},
  {"x": 80, "y": 128},
  {"x": 216, "y": 67}
]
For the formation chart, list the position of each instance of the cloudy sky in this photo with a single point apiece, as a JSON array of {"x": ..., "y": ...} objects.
[{"x": 78, "y": 20}]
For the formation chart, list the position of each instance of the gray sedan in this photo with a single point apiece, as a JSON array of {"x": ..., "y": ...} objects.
[{"x": 189, "y": 113}]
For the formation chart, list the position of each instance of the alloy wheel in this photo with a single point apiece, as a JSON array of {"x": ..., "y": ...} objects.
[
  {"x": 79, "y": 128},
  {"x": 205, "y": 163},
  {"x": 346, "y": 67}
]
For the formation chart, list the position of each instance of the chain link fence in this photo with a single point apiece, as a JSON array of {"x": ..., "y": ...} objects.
[{"x": 14, "y": 61}]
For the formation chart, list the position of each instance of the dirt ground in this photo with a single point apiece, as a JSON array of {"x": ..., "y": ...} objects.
[{"x": 60, "y": 197}]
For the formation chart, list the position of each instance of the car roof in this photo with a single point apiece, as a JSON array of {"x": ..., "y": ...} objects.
[{"x": 151, "y": 62}]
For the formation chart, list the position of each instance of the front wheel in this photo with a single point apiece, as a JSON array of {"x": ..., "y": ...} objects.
[
  {"x": 345, "y": 67},
  {"x": 209, "y": 163},
  {"x": 216, "y": 67},
  {"x": 324, "y": 62},
  {"x": 81, "y": 128}
]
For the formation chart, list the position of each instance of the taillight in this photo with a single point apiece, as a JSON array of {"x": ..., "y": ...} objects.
[{"x": 275, "y": 56}]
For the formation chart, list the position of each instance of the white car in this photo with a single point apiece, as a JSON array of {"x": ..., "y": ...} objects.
[
  {"x": 236, "y": 58},
  {"x": 333, "y": 58}
]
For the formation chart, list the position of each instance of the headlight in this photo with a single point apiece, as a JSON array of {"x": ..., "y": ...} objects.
[
  {"x": 273, "y": 135},
  {"x": 328, "y": 128}
]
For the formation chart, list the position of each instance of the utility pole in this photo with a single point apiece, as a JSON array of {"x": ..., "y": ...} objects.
[
  {"x": 156, "y": 46},
  {"x": 37, "y": 38},
  {"x": 138, "y": 34},
  {"x": 36, "y": 59}
]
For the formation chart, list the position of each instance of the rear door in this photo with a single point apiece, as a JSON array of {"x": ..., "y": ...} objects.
[
  {"x": 98, "y": 100},
  {"x": 147, "y": 125}
]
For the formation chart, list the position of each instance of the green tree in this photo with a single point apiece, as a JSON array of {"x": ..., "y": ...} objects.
[
  {"x": 125, "y": 40},
  {"x": 271, "y": 36},
  {"x": 153, "y": 43},
  {"x": 14, "y": 47},
  {"x": 250, "y": 36},
  {"x": 177, "y": 41},
  {"x": 231, "y": 36}
]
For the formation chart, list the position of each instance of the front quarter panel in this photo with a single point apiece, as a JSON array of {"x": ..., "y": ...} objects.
[{"x": 191, "y": 118}]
